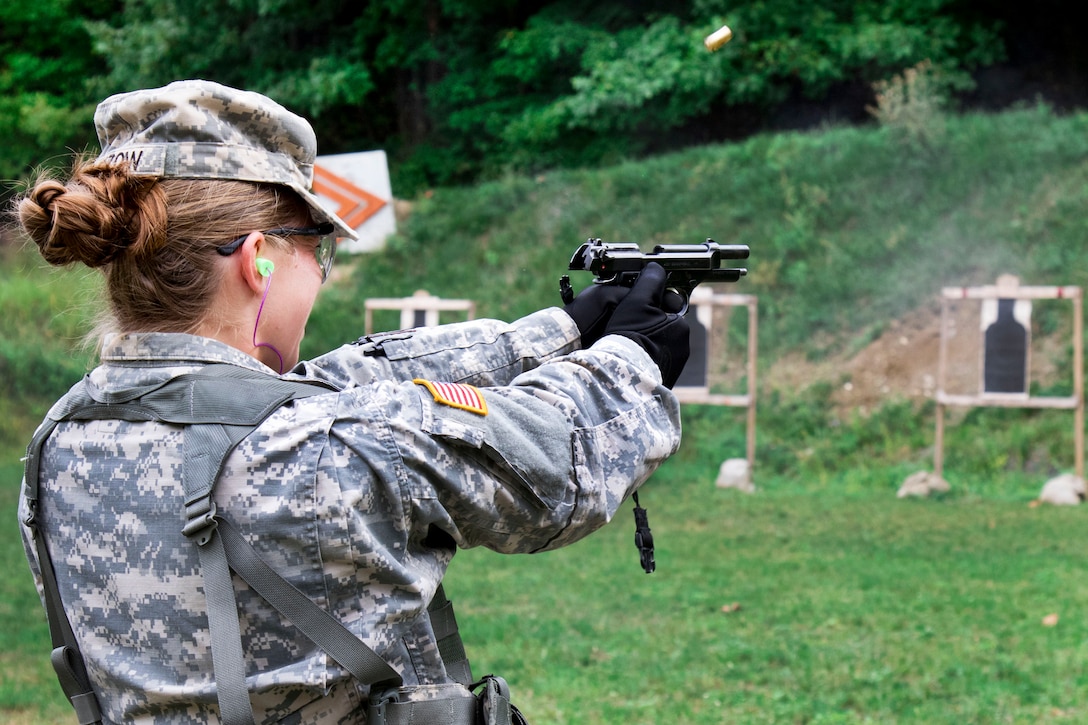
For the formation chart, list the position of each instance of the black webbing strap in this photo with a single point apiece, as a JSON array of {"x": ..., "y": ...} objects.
[
  {"x": 205, "y": 447},
  {"x": 219, "y": 412},
  {"x": 228, "y": 660},
  {"x": 450, "y": 646},
  {"x": 66, "y": 658}
]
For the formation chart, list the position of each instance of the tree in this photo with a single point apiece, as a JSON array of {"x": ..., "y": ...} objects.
[
  {"x": 459, "y": 90},
  {"x": 627, "y": 81},
  {"x": 46, "y": 59}
]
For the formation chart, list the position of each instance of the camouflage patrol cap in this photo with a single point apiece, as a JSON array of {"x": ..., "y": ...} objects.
[{"x": 198, "y": 129}]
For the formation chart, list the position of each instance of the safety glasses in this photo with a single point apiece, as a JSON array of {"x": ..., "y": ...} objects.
[{"x": 325, "y": 251}]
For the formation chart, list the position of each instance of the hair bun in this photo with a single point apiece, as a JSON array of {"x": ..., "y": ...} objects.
[
  {"x": 73, "y": 223},
  {"x": 45, "y": 194},
  {"x": 37, "y": 214}
]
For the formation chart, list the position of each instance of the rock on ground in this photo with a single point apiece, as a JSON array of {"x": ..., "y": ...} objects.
[
  {"x": 1064, "y": 490},
  {"x": 734, "y": 473},
  {"x": 922, "y": 483}
]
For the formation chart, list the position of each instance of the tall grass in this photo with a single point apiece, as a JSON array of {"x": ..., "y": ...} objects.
[{"x": 848, "y": 227}]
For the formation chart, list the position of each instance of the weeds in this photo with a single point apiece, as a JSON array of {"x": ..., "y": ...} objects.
[{"x": 912, "y": 104}]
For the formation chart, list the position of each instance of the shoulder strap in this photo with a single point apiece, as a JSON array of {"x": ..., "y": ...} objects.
[
  {"x": 219, "y": 405},
  {"x": 66, "y": 658}
]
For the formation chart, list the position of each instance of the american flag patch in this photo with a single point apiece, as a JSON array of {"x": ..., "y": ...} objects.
[{"x": 456, "y": 395}]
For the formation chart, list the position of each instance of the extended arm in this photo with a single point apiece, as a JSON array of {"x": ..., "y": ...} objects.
[{"x": 480, "y": 352}]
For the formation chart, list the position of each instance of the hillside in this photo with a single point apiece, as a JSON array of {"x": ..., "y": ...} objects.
[
  {"x": 848, "y": 227},
  {"x": 900, "y": 363},
  {"x": 853, "y": 232}
]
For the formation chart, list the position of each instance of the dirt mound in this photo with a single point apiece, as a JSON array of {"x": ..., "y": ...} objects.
[{"x": 901, "y": 363}]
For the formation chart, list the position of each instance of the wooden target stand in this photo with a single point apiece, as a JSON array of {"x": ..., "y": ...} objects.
[
  {"x": 1006, "y": 384},
  {"x": 693, "y": 385},
  {"x": 422, "y": 309}
]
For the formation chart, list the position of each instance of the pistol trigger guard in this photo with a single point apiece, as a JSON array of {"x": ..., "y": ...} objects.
[{"x": 675, "y": 293}]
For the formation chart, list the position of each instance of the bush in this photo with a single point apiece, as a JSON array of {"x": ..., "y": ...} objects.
[{"x": 912, "y": 105}]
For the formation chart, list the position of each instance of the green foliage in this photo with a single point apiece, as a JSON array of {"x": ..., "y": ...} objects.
[
  {"x": 577, "y": 89},
  {"x": 912, "y": 104},
  {"x": 45, "y": 316},
  {"x": 46, "y": 58},
  {"x": 293, "y": 51},
  {"x": 463, "y": 91}
]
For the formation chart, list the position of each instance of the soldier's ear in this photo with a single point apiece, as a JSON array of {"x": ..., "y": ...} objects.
[{"x": 247, "y": 265}]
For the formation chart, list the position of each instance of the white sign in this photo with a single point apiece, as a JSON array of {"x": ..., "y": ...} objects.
[{"x": 356, "y": 188}]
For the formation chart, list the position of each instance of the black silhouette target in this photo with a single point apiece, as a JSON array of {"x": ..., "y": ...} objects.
[{"x": 1005, "y": 352}]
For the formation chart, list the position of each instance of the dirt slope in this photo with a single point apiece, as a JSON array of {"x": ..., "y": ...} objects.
[{"x": 902, "y": 362}]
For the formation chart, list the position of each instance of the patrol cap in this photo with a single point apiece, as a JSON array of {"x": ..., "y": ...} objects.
[{"x": 197, "y": 129}]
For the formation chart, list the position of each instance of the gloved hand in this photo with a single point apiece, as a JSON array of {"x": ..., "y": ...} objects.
[
  {"x": 639, "y": 316},
  {"x": 592, "y": 309}
]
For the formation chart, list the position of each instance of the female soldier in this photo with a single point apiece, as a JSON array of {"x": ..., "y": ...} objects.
[{"x": 520, "y": 437}]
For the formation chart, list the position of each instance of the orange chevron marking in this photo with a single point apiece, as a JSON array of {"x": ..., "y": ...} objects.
[{"x": 356, "y": 205}]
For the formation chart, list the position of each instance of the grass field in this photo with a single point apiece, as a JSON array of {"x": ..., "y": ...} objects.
[
  {"x": 786, "y": 607},
  {"x": 782, "y": 606}
]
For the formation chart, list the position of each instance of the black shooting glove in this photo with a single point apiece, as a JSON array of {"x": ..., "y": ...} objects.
[
  {"x": 592, "y": 309},
  {"x": 639, "y": 316}
]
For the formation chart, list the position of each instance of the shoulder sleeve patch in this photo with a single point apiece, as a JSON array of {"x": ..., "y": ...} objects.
[{"x": 456, "y": 395}]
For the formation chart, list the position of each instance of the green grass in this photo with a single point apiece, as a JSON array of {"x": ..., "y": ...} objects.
[{"x": 852, "y": 608}]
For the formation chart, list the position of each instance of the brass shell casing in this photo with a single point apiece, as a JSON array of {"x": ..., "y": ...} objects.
[{"x": 718, "y": 38}]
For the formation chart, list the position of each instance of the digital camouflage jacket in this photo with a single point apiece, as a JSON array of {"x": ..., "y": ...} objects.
[{"x": 358, "y": 497}]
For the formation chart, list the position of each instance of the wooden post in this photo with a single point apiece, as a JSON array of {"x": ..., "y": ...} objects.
[
  {"x": 1074, "y": 402},
  {"x": 702, "y": 394},
  {"x": 1078, "y": 382},
  {"x": 753, "y": 335},
  {"x": 942, "y": 366},
  {"x": 421, "y": 301}
]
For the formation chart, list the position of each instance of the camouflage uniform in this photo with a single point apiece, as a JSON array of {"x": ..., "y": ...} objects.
[{"x": 358, "y": 497}]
